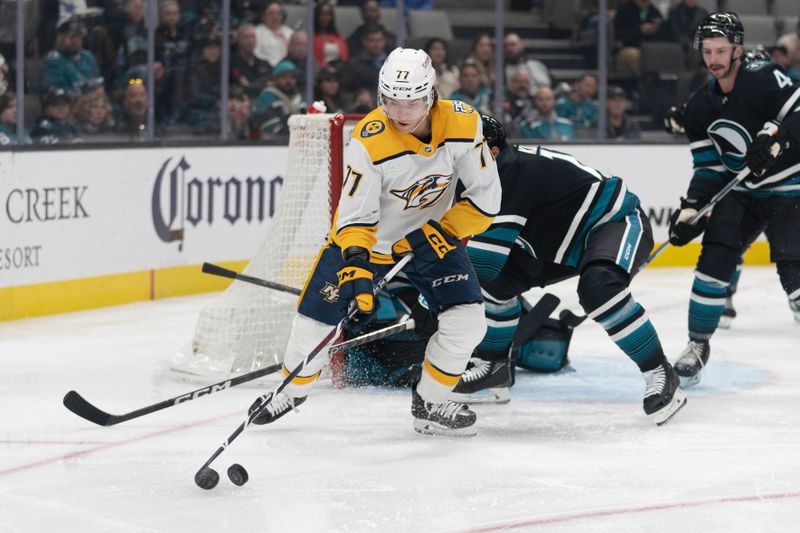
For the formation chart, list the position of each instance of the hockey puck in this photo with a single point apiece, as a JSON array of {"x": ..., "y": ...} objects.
[
  {"x": 206, "y": 478},
  {"x": 237, "y": 474}
]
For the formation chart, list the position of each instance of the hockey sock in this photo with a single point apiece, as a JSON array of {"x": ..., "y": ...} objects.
[
  {"x": 461, "y": 328},
  {"x": 706, "y": 304},
  {"x": 605, "y": 297},
  {"x": 735, "y": 279},
  {"x": 502, "y": 317},
  {"x": 628, "y": 325},
  {"x": 306, "y": 334}
]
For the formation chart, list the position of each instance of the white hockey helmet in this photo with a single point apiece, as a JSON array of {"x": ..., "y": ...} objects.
[{"x": 407, "y": 74}]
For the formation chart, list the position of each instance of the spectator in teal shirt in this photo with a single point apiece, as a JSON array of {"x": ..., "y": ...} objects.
[
  {"x": 279, "y": 100},
  {"x": 69, "y": 66},
  {"x": 471, "y": 90},
  {"x": 579, "y": 106},
  {"x": 546, "y": 124},
  {"x": 8, "y": 120}
]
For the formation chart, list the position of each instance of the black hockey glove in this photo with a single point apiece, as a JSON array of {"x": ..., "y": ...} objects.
[
  {"x": 355, "y": 287},
  {"x": 764, "y": 151},
  {"x": 674, "y": 121},
  {"x": 680, "y": 231},
  {"x": 430, "y": 243}
]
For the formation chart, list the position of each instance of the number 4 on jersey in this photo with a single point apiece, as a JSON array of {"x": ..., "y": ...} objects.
[{"x": 783, "y": 79}]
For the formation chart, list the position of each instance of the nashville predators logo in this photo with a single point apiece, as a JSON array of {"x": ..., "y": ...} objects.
[
  {"x": 330, "y": 292},
  {"x": 373, "y": 127},
  {"x": 424, "y": 192}
]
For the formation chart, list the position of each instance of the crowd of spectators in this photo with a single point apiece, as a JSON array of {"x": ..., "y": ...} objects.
[{"x": 93, "y": 82}]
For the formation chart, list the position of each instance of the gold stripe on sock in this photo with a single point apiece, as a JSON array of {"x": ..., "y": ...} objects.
[{"x": 448, "y": 380}]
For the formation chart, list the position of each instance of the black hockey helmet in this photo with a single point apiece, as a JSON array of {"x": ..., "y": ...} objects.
[
  {"x": 720, "y": 24},
  {"x": 493, "y": 132}
]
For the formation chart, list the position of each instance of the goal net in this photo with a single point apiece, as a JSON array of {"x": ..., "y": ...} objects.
[{"x": 246, "y": 327}]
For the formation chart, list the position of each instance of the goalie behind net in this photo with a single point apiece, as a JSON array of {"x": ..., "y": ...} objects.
[{"x": 247, "y": 327}]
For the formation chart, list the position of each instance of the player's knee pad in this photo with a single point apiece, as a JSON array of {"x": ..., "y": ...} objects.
[
  {"x": 461, "y": 328},
  {"x": 718, "y": 261},
  {"x": 306, "y": 334},
  {"x": 789, "y": 273},
  {"x": 600, "y": 282}
]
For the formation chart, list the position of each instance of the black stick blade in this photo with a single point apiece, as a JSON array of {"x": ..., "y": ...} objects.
[
  {"x": 210, "y": 268},
  {"x": 206, "y": 478},
  {"x": 78, "y": 405},
  {"x": 570, "y": 319},
  {"x": 531, "y": 322}
]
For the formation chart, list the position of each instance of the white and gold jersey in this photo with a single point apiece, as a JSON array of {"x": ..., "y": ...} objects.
[{"x": 394, "y": 182}]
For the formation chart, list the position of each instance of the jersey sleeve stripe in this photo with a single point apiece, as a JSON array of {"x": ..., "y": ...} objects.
[
  {"x": 495, "y": 248},
  {"x": 700, "y": 144},
  {"x": 788, "y": 105},
  {"x": 510, "y": 219},
  {"x": 700, "y": 157},
  {"x": 478, "y": 209},
  {"x": 709, "y": 174}
]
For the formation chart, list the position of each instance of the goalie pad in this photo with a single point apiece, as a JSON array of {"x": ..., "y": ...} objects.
[{"x": 547, "y": 350}]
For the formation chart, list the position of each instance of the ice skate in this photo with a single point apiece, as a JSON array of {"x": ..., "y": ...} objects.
[
  {"x": 728, "y": 314},
  {"x": 448, "y": 418},
  {"x": 663, "y": 396},
  {"x": 795, "y": 307},
  {"x": 692, "y": 361},
  {"x": 279, "y": 406},
  {"x": 484, "y": 382}
]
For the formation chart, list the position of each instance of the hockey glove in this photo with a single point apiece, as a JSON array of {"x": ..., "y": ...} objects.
[
  {"x": 430, "y": 243},
  {"x": 680, "y": 231},
  {"x": 674, "y": 121},
  {"x": 767, "y": 147},
  {"x": 355, "y": 286}
]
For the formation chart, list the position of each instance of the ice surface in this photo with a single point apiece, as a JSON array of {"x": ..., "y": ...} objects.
[{"x": 571, "y": 452}]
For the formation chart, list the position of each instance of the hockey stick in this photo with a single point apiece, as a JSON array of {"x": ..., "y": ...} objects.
[
  {"x": 206, "y": 477},
  {"x": 740, "y": 177},
  {"x": 217, "y": 270},
  {"x": 86, "y": 410},
  {"x": 405, "y": 324},
  {"x": 81, "y": 407},
  {"x": 533, "y": 320}
]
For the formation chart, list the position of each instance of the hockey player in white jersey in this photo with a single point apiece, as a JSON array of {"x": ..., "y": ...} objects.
[{"x": 399, "y": 196}]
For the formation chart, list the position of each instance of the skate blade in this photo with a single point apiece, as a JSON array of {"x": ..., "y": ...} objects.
[
  {"x": 663, "y": 416},
  {"x": 690, "y": 381},
  {"x": 426, "y": 427},
  {"x": 499, "y": 396}
]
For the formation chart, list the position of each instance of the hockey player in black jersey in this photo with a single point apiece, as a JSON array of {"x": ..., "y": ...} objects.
[
  {"x": 559, "y": 219},
  {"x": 748, "y": 115}
]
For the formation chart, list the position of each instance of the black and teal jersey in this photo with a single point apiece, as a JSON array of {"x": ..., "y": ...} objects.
[
  {"x": 550, "y": 206},
  {"x": 720, "y": 127}
]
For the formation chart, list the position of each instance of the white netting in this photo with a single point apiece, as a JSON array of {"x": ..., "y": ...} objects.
[{"x": 247, "y": 327}]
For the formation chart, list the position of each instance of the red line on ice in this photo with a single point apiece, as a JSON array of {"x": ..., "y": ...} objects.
[
  {"x": 108, "y": 445},
  {"x": 630, "y": 510}
]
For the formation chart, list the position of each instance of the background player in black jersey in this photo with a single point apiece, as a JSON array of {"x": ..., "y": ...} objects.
[
  {"x": 731, "y": 124},
  {"x": 559, "y": 219}
]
